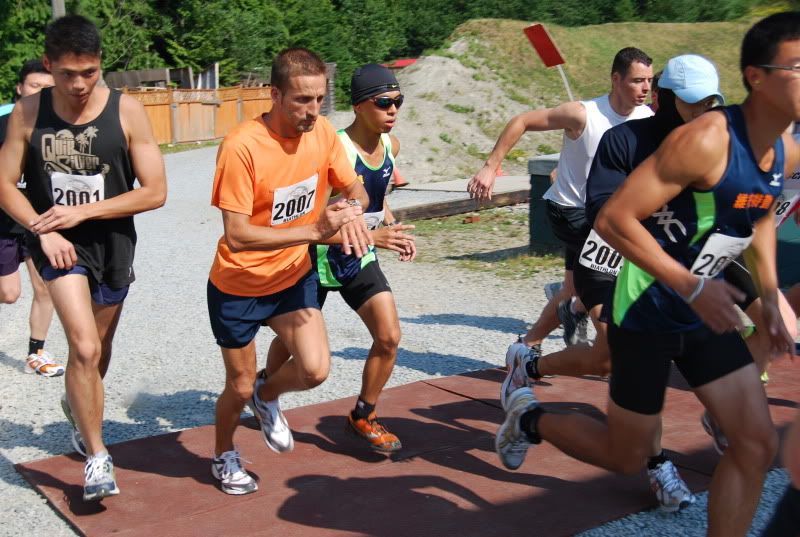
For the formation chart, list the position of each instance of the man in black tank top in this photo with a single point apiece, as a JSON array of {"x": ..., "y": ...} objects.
[{"x": 80, "y": 148}]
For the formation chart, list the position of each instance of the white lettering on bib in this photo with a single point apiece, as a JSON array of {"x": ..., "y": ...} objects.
[
  {"x": 718, "y": 251},
  {"x": 598, "y": 255},
  {"x": 75, "y": 190},
  {"x": 293, "y": 201},
  {"x": 373, "y": 220}
]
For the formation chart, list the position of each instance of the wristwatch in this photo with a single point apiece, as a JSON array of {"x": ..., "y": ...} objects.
[{"x": 354, "y": 202}]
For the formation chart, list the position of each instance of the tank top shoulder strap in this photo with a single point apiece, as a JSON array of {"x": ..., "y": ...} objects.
[
  {"x": 46, "y": 115},
  {"x": 386, "y": 140},
  {"x": 349, "y": 147}
]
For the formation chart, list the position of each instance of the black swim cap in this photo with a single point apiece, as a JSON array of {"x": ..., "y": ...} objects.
[{"x": 369, "y": 80}]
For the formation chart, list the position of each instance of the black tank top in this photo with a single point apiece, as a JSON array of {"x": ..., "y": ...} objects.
[{"x": 76, "y": 164}]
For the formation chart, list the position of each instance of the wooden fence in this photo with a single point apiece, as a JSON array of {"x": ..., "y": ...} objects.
[{"x": 185, "y": 115}]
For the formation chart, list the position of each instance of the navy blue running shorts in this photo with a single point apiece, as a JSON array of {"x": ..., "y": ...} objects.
[
  {"x": 235, "y": 320},
  {"x": 101, "y": 293}
]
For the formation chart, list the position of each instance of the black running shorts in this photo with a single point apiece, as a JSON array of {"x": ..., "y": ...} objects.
[
  {"x": 738, "y": 276},
  {"x": 368, "y": 282},
  {"x": 641, "y": 361},
  {"x": 569, "y": 224}
]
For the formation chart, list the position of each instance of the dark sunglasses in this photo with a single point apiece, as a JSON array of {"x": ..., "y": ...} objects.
[{"x": 385, "y": 103}]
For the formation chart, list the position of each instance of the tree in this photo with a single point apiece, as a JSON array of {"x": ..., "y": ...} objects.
[{"x": 22, "y": 24}]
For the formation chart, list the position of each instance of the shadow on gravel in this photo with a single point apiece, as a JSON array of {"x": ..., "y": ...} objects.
[
  {"x": 500, "y": 324},
  {"x": 431, "y": 363},
  {"x": 494, "y": 255}
]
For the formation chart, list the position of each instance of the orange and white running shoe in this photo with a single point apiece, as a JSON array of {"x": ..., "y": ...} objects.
[
  {"x": 43, "y": 364},
  {"x": 374, "y": 433}
]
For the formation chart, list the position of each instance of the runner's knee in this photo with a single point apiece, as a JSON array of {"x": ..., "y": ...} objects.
[
  {"x": 314, "y": 375},
  {"x": 9, "y": 295},
  {"x": 387, "y": 339},
  {"x": 755, "y": 447},
  {"x": 241, "y": 387},
  {"x": 88, "y": 351}
]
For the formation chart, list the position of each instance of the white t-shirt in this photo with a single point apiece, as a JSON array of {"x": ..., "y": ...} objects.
[{"x": 569, "y": 189}]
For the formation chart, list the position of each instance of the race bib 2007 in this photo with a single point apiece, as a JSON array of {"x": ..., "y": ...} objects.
[
  {"x": 598, "y": 255},
  {"x": 718, "y": 251},
  {"x": 293, "y": 201},
  {"x": 74, "y": 190}
]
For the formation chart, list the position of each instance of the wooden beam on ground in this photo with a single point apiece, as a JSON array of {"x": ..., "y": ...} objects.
[{"x": 449, "y": 208}]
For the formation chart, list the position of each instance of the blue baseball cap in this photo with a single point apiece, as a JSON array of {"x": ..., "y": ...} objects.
[{"x": 692, "y": 78}]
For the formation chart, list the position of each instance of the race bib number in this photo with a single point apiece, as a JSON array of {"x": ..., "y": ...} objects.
[
  {"x": 784, "y": 204},
  {"x": 373, "y": 220},
  {"x": 718, "y": 251},
  {"x": 598, "y": 255},
  {"x": 293, "y": 201},
  {"x": 75, "y": 190}
]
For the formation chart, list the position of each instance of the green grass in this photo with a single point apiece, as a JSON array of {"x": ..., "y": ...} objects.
[
  {"x": 459, "y": 109},
  {"x": 500, "y": 46},
  {"x": 446, "y": 138},
  {"x": 166, "y": 149},
  {"x": 497, "y": 243}
]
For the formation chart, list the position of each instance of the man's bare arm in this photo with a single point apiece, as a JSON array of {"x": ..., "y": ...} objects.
[
  {"x": 12, "y": 161},
  {"x": 570, "y": 117}
]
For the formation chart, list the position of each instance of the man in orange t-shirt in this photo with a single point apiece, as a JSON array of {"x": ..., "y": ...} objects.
[{"x": 271, "y": 184}]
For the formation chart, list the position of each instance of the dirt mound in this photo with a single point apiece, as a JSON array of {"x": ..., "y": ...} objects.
[{"x": 450, "y": 120}]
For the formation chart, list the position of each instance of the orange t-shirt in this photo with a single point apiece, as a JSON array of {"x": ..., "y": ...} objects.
[{"x": 278, "y": 182}]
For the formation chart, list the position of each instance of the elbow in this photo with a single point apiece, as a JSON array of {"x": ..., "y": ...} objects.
[
  {"x": 602, "y": 224},
  {"x": 234, "y": 244}
]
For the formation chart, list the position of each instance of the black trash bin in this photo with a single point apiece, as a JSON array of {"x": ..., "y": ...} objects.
[{"x": 542, "y": 239}]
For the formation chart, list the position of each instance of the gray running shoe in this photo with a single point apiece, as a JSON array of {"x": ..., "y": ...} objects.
[
  {"x": 99, "y": 478},
  {"x": 711, "y": 427},
  {"x": 75, "y": 436},
  {"x": 274, "y": 426},
  {"x": 670, "y": 490},
  {"x": 511, "y": 443},
  {"x": 233, "y": 478},
  {"x": 517, "y": 357},
  {"x": 570, "y": 322},
  {"x": 552, "y": 289}
]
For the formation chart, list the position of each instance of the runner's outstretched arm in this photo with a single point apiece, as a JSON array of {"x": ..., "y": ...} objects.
[{"x": 571, "y": 117}]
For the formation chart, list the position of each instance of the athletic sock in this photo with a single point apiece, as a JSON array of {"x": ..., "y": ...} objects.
[
  {"x": 35, "y": 345},
  {"x": 532, "y": 367},
  {"x": 657, "y": 460},
  {"x": 362, "y": 410},
  {"x": 529, "y": 423}
]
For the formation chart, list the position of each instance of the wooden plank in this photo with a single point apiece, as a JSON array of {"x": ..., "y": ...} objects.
[{"x": 451, "y": 207}]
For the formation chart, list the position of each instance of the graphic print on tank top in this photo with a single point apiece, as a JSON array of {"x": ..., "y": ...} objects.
[{"x": 76, "y": 175}]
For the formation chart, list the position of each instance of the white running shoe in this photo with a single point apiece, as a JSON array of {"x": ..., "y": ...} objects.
[
  {"x": 274, "y": 426},
  {"x": 99, "y": 478},
  {"x": 517, "y": 357},
  {"x": 711, "y": 427},
  {"x": 75, "y": 435},
  {"x": 233, "y": 478},
  {"x": 670, "y": 490},
  {"x": 42, "y": 362},
  {"x": 511, "y": 443},
  {"x": 552, "y": 289}
]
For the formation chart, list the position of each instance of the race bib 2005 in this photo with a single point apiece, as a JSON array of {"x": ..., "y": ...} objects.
[
  {"x": 74, "y": 190},
  {"x": 598, "y": 255},
  {"x": 293, "y": 201},
  {"x": 718, "y": 251}
]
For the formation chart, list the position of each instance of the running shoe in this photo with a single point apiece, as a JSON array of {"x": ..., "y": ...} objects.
[
  {"x": 378, "y": 437},
  {"x": 552, "y": 289},
  {"x": 42, "y": 363},
  {"x": 517, "y": 356},
  {"x": 99, "y": 478},
  {"x": 582, "y": 331},
  {"x": 75, "y": 435},
  {"x": 511, "y": 443},
  {"x": 228, "y": 469},
  {"x": 274, "y": 426},
  {"x": 571, "y": 322},
  {"x": 712, "y": 428},
  {"x": 670, "y": 490}
]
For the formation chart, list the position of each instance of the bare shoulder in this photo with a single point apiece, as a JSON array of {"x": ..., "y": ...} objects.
[
  {"x": 395, "y": 145},
  {"x": 26, "y": 110},
  {"x": 131, "y": 107},
  {"x": 697, "y": 150}
]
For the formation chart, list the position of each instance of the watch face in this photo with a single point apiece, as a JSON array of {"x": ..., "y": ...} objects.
[{"x": 354, "y": 203}]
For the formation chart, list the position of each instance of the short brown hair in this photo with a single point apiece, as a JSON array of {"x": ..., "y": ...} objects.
[{"x": 295, "y": 61}]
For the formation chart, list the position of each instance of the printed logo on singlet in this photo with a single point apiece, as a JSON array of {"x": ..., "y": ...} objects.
[
  {"x": 386, "y": 172},
  {"x": 776, "y": 179},
  {"x": 666, "y": 221},
  {"x": 77, "y": 176}
]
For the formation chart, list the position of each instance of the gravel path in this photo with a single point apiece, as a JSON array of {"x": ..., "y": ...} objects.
[{"x": 167, "y": 372}]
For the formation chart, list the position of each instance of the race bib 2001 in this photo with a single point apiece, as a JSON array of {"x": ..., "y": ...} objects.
[
  {"x": 598, "y": 255},
  {"x": 718, "y": 251},
  {"x": 293, "y": 201},
  {"x": 75, "y": 190}
]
